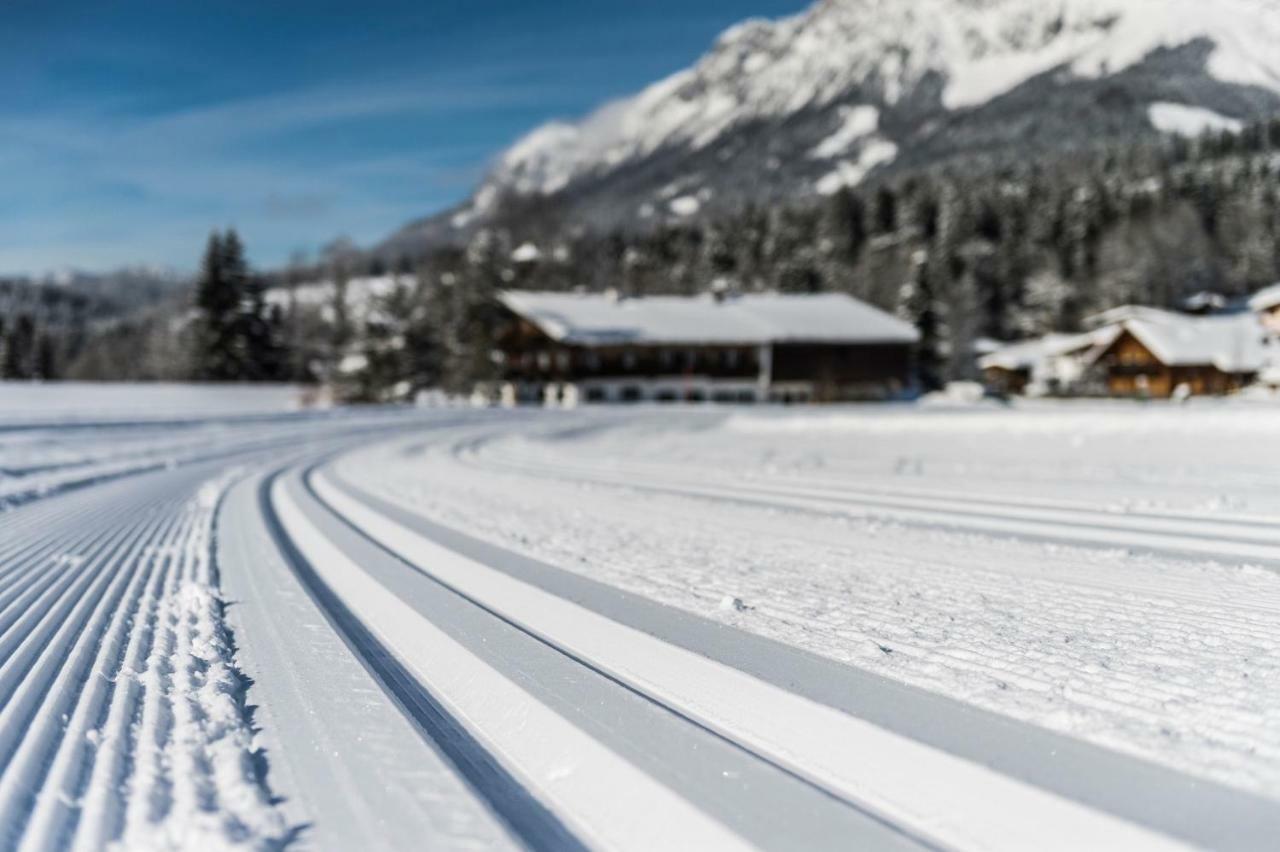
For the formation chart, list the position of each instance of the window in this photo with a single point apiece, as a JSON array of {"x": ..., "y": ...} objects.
[{"x": 629, "y": 360}]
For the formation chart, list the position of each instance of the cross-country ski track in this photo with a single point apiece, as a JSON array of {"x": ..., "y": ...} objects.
[{"x": 238, "y": 640}]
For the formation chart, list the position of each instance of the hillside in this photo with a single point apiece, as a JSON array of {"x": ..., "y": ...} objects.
[{"x": 854, "y": 90}]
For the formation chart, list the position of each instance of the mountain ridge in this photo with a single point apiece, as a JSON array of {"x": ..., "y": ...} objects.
[{"x": 853, "y": 90}]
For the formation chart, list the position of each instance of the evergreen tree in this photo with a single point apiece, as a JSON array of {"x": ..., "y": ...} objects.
[
  {"x": 19, "y": 349},
  {"x": 218, "y": 299},
  {"x": 238, "y": 336},
  {"x": 46, "y": 359},
  {"x": 918, "y": 305}
]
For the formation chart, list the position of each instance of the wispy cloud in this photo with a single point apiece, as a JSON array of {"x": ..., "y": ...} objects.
[{"x": 260, "y": 161}]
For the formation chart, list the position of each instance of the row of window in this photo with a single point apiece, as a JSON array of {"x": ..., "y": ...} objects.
[
  {"x": 632, "y": 393},
  {"x": 667, "y": 359}
]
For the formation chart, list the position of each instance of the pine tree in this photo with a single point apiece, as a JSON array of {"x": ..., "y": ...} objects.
[
  {"x": 19, "y": 349},
  {"x": 218, "y": 303},
  {"x": 238, "y": 336},
  {"x": 46, "y": 359},
  {"x": 918, "y": 305}
]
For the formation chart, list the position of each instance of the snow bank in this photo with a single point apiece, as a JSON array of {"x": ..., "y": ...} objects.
[{"x": 196, "y": 783}]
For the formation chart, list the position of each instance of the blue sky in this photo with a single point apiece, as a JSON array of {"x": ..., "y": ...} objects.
[{"x": 129, "y": 129}]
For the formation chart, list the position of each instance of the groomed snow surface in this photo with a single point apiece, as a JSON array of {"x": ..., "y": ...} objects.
[
  {"x": 1171, "y": 657},
  {"x": 899, "y": 627}
]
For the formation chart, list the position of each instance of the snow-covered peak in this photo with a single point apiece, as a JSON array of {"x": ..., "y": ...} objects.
[{"x": 876, "y": 53}]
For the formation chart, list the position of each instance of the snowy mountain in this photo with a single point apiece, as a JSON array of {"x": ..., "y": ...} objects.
[{"x": 855, "y": 88}]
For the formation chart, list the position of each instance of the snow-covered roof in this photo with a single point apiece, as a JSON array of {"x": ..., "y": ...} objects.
[
  {"x": 595, "y": 319},
  {"x": 1234, "y": 343},
  {"x": 1124, "y": 313},
  {"x": 1027, "y": 354},
  {"x": 1266, "y": 299}
]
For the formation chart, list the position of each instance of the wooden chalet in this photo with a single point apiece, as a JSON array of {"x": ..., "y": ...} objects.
[
  {"x": 1155, "y": 354},
  {"x": 572, "y": 348}
]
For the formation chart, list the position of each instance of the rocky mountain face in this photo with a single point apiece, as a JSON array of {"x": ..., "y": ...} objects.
[{"x": 852, "y": 91}]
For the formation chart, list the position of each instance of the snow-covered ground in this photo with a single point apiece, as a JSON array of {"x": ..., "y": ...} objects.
[
  {"x": 53, "y": 436},
  {"x": 78, "y": 402},
  {"x": 899, "y": 627},
  {"x": 806, "y": 527}
]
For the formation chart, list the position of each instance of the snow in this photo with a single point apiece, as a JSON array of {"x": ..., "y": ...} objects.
[
  {"x": 1168, "y": 656},
  {"x": 360, "y": 293},
  {"x": 855, "y": 123},
  {"x": 959, "y": 804},
  {"x": 571, "y": 770},
  {"x": 126, "y": 727},
  {"x": 480, "y": 204},
  {"x": 1184, "y": 120},
  {"x": 981, "y": 48},
  {"x": 875, "y": 153},
  {"x": 685, "y": 205},
  {"x": 68, "y": 402},
  {"x": 1029, "y": 354},
  {"x": 1105, "y": 571},
  {"x": 1265, "y": 299},
  {"x": 749, "y": 319},
  {"x": 526, "y": 253},
  {"x": 1232, "y": 342}
]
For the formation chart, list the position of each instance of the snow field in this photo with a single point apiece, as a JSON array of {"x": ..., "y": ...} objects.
[
  {"x": 1173, "y": 658},
  {"x": 72, "y": 402},
  {"x": 951, "y": 801}
]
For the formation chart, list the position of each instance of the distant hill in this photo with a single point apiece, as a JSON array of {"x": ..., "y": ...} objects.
[
  {"x": 851, "y": 91},
  {"x": 47, "y": 324}
]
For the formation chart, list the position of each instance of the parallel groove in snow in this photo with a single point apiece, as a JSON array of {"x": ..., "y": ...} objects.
[
  {"x": 1178, "y": 533},
  {"x": 1169, "y": 660},
  {"x": 768, "y": 805},
  {"x": 584, "y": 792},
  {"x": 49, "y": 690},
  {"x": 117, "y": 712},
  {"x": 944, "y": 797}
]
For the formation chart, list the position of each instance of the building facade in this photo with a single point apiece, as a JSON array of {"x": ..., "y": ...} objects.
[
  {"x": 575, "y": 348},
  {"x": 1138, "y": 351}
]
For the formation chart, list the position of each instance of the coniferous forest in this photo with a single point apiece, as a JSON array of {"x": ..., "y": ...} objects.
[{"x": 1000, "y": 251}]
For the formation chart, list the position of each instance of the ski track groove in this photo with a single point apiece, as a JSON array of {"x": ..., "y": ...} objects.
[
  {"x": 1146, "y": 621},
  {"x": 113, "y": 658},
  {"x": 110, "y": 644},
  {"x": 55, "y": 817},
  {"x": 57, "y": 680}
]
